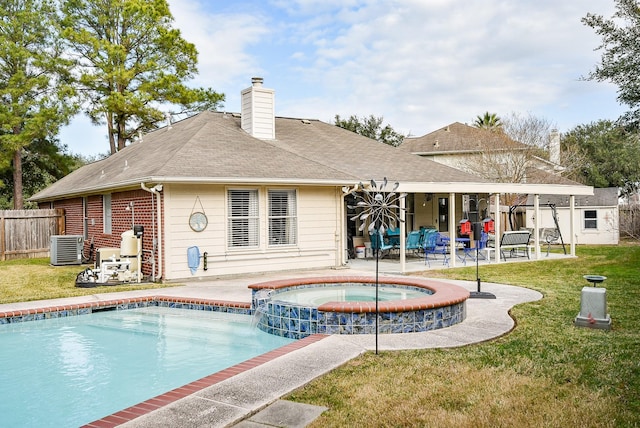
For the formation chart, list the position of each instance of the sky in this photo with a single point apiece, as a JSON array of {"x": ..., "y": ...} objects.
[{"x": 419, "y": 64}]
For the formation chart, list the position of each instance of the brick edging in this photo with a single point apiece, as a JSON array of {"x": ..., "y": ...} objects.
[{"x": 169, "y": 397}]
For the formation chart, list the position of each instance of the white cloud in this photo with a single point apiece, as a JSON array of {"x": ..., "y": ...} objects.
[
  {"x": 420, "y": 64},
  {"x": 222, "y": 40}
]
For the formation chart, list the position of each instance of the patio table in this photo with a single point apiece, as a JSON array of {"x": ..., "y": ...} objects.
[{"x": 467, "y": 251}]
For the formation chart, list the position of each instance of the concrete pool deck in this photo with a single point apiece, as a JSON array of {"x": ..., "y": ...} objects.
[{"x": 238, "y": 398}]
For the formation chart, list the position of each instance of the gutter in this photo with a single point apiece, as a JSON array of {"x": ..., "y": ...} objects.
[
  {"x": 120, "y": 185},
  {"x": 155, "y": 191}
]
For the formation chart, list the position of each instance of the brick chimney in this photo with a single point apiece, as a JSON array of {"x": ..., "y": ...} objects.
[{"x": 258, "y": 111}]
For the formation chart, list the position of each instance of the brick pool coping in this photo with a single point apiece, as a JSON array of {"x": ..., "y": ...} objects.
[
  {"x": 443, "y": 294},
  {"x": 162, "y": 400},
  {"x": 46, "y": 312}
]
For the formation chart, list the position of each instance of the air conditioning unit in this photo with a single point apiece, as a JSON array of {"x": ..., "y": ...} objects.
[{"x": 66, "y": 249}]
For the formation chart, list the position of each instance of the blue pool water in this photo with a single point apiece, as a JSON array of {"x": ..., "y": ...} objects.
[
  {"x": 316, "y": 296},
  {"x": 74, "y": 370}
]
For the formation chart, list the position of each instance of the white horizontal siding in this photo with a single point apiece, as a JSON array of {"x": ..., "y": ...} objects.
[
  {"x": 318, "y": 222},
  {"x": 607, "y": 232}
]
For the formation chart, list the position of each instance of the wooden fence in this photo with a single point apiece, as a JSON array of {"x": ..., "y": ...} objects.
[{"x": 26, "y": 233}]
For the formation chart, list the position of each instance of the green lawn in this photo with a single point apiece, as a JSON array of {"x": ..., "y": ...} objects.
[
  {"x": 546, "y": 372},
  {"x": 35, "y": 279}
]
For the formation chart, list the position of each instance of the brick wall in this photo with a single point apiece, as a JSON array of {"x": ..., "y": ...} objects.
[
  {"x": 121, "y": 220},
  {"x": 72, "y": 215}
]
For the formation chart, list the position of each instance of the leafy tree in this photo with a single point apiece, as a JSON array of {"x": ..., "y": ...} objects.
[
  {"x": 371, "y": 127},
  {"x": 488, "y": 121},
  {"x": 129, "y": 62},
  {"x": 620, "y": 61},
  {"x": 612, "y": 155},
  {"x": 34, "y": 84},
  {"x": 43, "y": 162}
]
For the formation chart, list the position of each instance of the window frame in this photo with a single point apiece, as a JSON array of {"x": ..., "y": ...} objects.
[
  {"x": 590, "y": 223},
  {"x": 243, "y": 218},
  {"x": 282, "y": 220}
]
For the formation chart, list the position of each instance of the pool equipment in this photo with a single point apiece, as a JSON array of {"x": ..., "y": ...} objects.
[{"x": 114, "y": 265}]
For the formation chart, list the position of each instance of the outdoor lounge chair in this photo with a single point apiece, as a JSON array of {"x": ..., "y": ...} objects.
[
  {"x": 413, "y": 241},
  {"x": 434, "y": 244},
  {"x": 378, "y": 244},
  {"x": 393, "y": 234}
]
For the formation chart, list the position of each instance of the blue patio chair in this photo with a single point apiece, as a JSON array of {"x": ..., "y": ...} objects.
[
  {"x": 482, "y": 245},
  {"x": 434, "y": 244},
  {"x": 378, "y": 244},
  {"x": 413, "y": 241},
  {"x": 423, "y": 233},
  {"x": 394, "y": 236}
]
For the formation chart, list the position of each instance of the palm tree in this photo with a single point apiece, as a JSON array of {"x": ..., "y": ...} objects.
[{"x": 489, "y": 121}]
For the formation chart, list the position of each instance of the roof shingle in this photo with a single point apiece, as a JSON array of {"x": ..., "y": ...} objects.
[{"x": 211, "y": 146}]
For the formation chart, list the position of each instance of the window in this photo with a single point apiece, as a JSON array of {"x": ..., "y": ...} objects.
[
  {"x": 106, "y": 213},
  {"x": 242, "y": 218},
  {"x": 283, "y": 218},
  {"x": 590, "y": 219}
]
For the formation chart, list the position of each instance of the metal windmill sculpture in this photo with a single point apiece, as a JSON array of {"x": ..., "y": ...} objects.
[{"x": 380, "y": 209}]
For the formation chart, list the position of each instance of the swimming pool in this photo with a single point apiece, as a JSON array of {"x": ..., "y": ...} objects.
[{"x": 73, "y": 370}]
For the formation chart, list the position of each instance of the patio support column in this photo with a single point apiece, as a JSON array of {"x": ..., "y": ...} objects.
[
  {"x": 403, "y": 235},
  {"x": 452, "y": 229},
  {"x": 498, "y": 234},
  {"x": 572, "y": 225},
  {"x": 536, "y": 224}
]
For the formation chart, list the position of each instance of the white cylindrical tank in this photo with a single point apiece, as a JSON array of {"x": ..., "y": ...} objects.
[{"x": 130, "y": 244}]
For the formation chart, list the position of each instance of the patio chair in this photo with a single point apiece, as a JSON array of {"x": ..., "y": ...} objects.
[
  {"x": 378, "y": 244},
  {"x": 393, "y": 234},
  {"x": 423, "y": 233},
  {"x": 413, "y": 241},
  {"x": 434, "y": 244},
  {"x": 549, "y": 236},
  {"x": 482, "y": 245}
]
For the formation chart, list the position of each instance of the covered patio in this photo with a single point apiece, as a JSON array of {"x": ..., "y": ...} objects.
[
  {"x": 390, "y": 265},
  {"x": 403, "y": 260}
]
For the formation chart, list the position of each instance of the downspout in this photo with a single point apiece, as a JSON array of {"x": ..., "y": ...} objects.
[
  {"x": 155, "y": 191},
  {"x": 341, "y": 233}
]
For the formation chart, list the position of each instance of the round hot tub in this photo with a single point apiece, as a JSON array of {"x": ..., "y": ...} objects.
[{"x": 296, "y": 308}]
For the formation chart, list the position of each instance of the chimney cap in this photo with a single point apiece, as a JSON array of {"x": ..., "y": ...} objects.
[{"x": 257, "y": 81}]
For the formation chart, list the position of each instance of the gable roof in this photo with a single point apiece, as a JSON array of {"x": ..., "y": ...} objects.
[
  {"x": 212, "y": 147},
  {"x": 602, "y": 197},
  {"x": 539, "y": 176},
  {"x": 458, "y": 138}
]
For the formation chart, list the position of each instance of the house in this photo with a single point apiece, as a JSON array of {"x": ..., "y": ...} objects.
[
  {"x": 254, "y": 192},
  {"x": 483, "y": 152},
  {"x": 496, "y": 157},
  {"x": 596, "y": 216}
]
